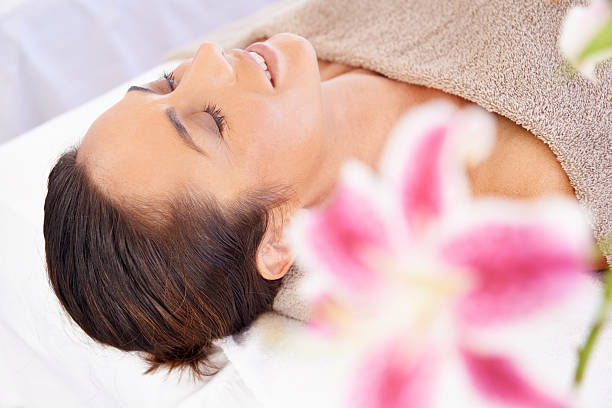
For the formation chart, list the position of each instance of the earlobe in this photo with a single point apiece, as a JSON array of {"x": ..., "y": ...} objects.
[{"x": 274, "y": 260}]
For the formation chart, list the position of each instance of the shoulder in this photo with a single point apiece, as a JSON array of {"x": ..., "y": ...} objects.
[{"x": 520, "y": 166}]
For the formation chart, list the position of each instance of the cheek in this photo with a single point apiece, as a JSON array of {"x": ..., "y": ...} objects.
[
  {"x": 288, "y": 133},
  {"x": 278, "y": 139},
  {"x": 279, "y": 124}
]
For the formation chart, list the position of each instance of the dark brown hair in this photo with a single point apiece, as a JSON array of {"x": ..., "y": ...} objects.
[{"x": 167, "y": 289}]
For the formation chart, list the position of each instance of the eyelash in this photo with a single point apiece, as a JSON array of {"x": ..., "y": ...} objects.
[{"x": 213, "y": 110}]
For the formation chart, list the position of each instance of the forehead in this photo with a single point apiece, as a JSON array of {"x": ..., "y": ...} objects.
[{"x": 132, "y": 149}]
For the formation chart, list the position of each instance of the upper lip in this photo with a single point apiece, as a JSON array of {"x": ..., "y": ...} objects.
[{"x": 269, "y": 56}]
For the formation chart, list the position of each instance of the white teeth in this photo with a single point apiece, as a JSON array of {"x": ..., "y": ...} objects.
[
  {"x": 258, "y": 58},
  {"x": 261, "y": 61}
]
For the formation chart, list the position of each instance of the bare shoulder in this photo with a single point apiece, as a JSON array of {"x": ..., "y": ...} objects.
[{"x": 520, "y": 166}]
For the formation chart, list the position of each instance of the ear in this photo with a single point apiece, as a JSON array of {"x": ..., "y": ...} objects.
[{"x": 274, "y": 258}]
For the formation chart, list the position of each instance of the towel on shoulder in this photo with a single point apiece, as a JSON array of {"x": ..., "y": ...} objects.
[{"x": 501, "y": 55}]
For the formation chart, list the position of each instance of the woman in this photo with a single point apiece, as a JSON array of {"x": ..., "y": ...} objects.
[{"x": 164, "y": 228}]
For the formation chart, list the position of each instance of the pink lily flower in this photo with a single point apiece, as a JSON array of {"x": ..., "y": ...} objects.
[
  {"x": 423, "y": 279},
  {"x": 586, "y": 36}
]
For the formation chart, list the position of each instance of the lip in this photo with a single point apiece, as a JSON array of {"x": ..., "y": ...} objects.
[{"x": 270, "y": 57}]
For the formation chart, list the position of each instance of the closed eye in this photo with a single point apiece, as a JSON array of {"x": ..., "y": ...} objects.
[
  {"x": 169, "y": 78},
  {"x": 212, "y": 109}
]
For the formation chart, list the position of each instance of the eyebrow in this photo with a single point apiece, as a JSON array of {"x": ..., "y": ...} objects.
[
  {"x": 140, "y": 89},
  {"x": 173, "y": 118}
]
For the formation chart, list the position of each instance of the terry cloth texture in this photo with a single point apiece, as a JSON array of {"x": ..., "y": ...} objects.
[{"x": 499, "y": 54}]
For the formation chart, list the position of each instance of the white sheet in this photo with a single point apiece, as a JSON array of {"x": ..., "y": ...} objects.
[{"x": 46, "y": 361}]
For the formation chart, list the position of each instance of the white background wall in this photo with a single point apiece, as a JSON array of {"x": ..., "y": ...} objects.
[{"x": 58, "y": 54}]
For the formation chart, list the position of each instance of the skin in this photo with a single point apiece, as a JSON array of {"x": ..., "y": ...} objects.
[{"x": 294, "y": 134}]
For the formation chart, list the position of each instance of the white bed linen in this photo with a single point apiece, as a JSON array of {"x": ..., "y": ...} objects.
[{"x": 45, "y": 361}]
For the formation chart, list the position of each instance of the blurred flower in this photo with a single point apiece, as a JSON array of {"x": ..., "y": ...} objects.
[
  {"x": 410, "y": 271},
  {"x": 586, "y": 36}
]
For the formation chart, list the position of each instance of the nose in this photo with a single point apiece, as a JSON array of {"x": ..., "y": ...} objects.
[{"x": 209, "y": 68}]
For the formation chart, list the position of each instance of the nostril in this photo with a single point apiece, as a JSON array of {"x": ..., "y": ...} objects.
[{"x": 212, "y": 61}]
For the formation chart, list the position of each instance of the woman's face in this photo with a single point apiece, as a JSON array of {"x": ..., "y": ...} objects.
[{"x": 164, "y": 137}]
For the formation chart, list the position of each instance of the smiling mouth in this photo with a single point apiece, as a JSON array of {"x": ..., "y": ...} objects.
[
  {"x": 266, "y": 59},
  {"x": 262, "y": 64}
]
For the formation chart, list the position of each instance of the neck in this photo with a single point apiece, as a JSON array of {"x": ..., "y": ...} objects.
[{"x": 361, "y": 109}]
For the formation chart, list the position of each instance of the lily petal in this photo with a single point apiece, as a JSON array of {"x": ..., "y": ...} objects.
[
  {"x": 421, "y": 194},
  {"x": 343, "y": 236},
  {"x": 516, "y": 270},
  {"x": 412, "y": 161},
  {"x": 388, "y": 379},
  {"x": 499, "y": 379},
  {"x": 585, "y": 36},
  {"x": 425, "y": 157}
]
